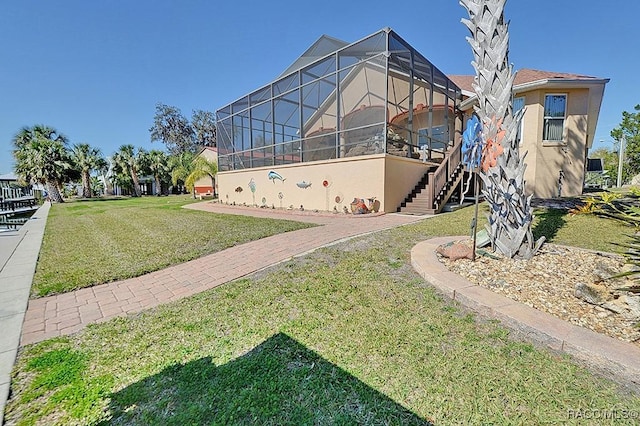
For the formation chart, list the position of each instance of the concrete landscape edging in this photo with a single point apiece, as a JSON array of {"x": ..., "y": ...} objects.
[{"x": 605, "y": 355}]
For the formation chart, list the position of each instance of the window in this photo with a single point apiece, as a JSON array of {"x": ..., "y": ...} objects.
[
  {"x": 555, "y": 107},
  {"x": 518, "y": 105}
]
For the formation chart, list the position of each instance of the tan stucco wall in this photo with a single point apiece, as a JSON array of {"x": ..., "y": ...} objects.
[
  {"x": 401, "y": 175},
  {"x": 348, "y": 178},
  {"x": 531, "y": 135},
  {"x": 544, "y": 160}
]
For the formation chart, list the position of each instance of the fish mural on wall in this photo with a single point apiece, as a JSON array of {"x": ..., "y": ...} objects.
[
  {"x": 303, "y": 184},
  {"x": 238, "y": 189},
  {"x": 274, "y": 175},
  {"x": 252, "y": 187}
]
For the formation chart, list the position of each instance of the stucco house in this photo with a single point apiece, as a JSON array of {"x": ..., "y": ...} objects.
[
  {"x": 558, "y": 128},
  {"x": 375, "y": 120}
]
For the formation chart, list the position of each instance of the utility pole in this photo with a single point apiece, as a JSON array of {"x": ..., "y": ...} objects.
[{"x": 620, "y": 159}]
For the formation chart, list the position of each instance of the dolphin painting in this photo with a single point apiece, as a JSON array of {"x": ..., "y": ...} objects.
[
  {"x": 303, "y": 184},
  {"x": 273, "y": 176}
]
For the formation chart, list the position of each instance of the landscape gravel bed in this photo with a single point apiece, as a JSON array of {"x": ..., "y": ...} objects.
[{"x": 551, "y": 282}]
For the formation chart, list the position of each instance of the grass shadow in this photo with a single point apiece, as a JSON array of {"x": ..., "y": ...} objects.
[
  {"x": 278, "y": 382},
  {"x": 548, "y": 222}
]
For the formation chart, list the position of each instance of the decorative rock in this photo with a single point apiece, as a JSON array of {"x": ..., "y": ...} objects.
[
  {"x": 592, "y": 293},
  {"x": 633, "y": 303},
  {"x": 614, "y": 306},
  {"x": 455, "y": 251},
  {"x": 628, "y": 267},
  {"x": 499, "y": 284},
  {"x": 602, "y": 272}
]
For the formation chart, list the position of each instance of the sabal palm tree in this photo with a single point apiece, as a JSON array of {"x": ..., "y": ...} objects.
[
  {"x": 41, "y": 156},
  {"x": 181, "y": 166},
  {"x": 158, "y": 165},
  {"x": 86, "y": 159},
  {"x": 127, "y": 161},
  {"x": 202, "y": 167},
  {"x": 510, "y": 215}
]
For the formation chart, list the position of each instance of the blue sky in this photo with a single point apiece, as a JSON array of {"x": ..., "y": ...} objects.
[{"x": 95, "y": 70}]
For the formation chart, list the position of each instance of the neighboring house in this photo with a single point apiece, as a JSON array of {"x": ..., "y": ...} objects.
[
  {"x": 206, "y": 185},
  {"x": 147, "y": 186},
  {"x": 558, "y": 127},
  {"x": 375, "y": 119}
]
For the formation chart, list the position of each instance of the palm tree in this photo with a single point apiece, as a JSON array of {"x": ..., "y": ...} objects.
[
  {"x": 181, "y": 166},
  {"x": 87, "y": 159},
  {"x": 127, "y": 161},
  {"x": 202, "y": 168},
  {"x": 97, "y": 185},
  {"x": 41, "y": 156},
  {"x": 158, "y": 165},
  {"x": 502, "y": 166}
]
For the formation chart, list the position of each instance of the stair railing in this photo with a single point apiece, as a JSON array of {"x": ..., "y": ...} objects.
[{"x": 438, "y": 179}]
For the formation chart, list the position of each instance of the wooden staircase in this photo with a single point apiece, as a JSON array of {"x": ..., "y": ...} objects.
[{"x": 437, "y": 186}]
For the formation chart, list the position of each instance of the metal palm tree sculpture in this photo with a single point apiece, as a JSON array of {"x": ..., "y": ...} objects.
[{"x": 492, "y": 143}]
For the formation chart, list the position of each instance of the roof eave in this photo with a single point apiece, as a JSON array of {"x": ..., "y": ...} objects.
[
  {"x": 541, "y": 84},
  {"x": 559, "y": 82}
]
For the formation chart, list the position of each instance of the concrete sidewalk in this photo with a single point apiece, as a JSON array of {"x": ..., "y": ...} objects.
[{"x": 18, "y": 256}]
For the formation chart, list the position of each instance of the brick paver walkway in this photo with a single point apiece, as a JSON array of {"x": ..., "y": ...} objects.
[{"x": 67, "y": 313}]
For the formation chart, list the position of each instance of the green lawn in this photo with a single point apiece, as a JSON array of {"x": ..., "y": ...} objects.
[
  {"x": 349, "y": 334},
  {"x": 93, "y": 242}
]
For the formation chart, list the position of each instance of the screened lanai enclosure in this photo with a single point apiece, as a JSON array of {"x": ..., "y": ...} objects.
[{"x": 375, "y": 97}]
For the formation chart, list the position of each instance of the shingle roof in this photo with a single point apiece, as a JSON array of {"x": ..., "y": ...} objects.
[
  {"x": 523, "y": 76},
  {"x": 464, "y": 82}
]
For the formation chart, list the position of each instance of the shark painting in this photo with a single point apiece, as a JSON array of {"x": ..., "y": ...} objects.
[
  {"x": 303, "y": 184},
  {"x": 273, "y": 176}
]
